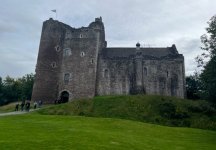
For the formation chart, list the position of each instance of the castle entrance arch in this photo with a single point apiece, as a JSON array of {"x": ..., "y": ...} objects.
[{"x": 64, "y": 97}]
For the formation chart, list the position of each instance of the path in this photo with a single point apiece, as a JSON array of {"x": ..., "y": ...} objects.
[{"x": 15, "y": 113}]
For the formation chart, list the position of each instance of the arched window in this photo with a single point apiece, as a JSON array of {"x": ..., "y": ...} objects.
[
  {"x": 82, "y": 54},
  {"x": 64, "y": 97}
]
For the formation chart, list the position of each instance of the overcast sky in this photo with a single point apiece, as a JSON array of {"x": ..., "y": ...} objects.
[{"x": 158, "y": 23}]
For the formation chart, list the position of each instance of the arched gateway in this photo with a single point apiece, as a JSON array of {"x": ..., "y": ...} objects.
[{"x": 64, "y": 97}]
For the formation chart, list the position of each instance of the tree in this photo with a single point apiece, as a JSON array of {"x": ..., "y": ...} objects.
[
  {"x": 208, "y": 75},
  {"x": 193, "y": 87},
  {"x": 11, "y": 90},
  {"x": 1, "y": 89},
  {"x": 27, "y": 86},
  {"x": 16, "y": 89}
]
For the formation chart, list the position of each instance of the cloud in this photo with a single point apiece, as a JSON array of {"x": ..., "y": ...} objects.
[{"x": 159, "y": 23}]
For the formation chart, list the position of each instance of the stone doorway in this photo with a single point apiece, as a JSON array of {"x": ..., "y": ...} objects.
[{"x": 64, "y": 97}]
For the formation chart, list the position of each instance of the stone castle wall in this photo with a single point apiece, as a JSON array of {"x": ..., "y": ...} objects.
[
  {"x": 78, "y": 62},
  {"x": 137, "y": 75}
]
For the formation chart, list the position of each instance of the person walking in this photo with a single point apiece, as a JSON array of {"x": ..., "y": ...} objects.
[
  {"x": 17, "y": 107},
  {"x": 27, "y": 105},
  {"x": 22, "y": 105},
  {"x": 35, "y": 105}
]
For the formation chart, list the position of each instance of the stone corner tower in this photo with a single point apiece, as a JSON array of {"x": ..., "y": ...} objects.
[{"x": 67, "y": 61}]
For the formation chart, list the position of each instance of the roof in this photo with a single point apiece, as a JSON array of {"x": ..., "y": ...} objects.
[{"x": 126, "y": 52}]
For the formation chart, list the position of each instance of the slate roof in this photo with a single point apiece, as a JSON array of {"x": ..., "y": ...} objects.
[{"x": 126, "y": 52}]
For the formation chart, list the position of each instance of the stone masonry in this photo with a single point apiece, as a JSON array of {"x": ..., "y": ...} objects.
[{"x": 76, "y": 63}]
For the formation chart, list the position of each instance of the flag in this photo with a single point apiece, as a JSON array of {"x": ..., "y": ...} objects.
[{"x": 54, "y": 10}]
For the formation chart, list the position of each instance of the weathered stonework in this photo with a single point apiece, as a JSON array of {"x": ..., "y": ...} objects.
[{"x": 75, "y": 63}]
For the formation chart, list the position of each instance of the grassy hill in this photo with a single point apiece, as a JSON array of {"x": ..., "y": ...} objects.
[
  {"x": 8, "y": 108},
  {"x": 44, "y": 132},
  {"x": 146, "y": 108}
]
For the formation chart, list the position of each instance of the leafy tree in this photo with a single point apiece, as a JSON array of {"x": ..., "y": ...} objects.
[
  {"x": 27, "y": 86},
  {"x": 208, "y": 75},
  {"x": 193, "y": 86},
  {"x": 208, "y": 78},
  {"x": 16, "y": 89},
  {"x": 11, "y": 89}
]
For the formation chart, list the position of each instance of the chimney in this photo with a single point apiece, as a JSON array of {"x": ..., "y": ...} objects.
[{"x": 137, "y": 45}]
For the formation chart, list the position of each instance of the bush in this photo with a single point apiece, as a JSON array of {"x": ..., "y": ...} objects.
[
  {"x": 202, "y": 107},
  {"x": 167, "y": 110}
]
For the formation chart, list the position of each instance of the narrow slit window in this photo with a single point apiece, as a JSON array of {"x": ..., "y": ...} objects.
[
  {"x": 92, "y": 61},
  {"x": 106, "y": 73},
  {"x": 145, "y": 71}
]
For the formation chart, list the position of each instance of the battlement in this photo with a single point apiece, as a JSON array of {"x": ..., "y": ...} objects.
[
  {"x": 97, "y": 24},
  {"x": 98, "y": 19}
]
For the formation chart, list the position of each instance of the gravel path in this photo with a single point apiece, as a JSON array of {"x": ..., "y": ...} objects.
[{"x": 15, "y": 113}]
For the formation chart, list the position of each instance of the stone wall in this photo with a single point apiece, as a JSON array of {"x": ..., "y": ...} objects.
[
  {"x": 76, "y": 61},
  {"x": 139, "y": 75},
  {"x": 81, "y": 61},
  {"x": 48, "y": 63}
]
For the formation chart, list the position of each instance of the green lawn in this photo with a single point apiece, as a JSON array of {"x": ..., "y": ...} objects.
[{"x": 34, "y": 131}]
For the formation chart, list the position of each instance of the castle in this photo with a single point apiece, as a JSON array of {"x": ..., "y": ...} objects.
[{"x": 76, "y": 63}]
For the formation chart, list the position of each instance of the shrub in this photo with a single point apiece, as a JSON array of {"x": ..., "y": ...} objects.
[
  {"x": 202, "y": 107},
  {"x": 167, "y": 110}
]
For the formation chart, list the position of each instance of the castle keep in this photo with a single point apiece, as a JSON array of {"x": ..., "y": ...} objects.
[{"x": 76, "y": 63}]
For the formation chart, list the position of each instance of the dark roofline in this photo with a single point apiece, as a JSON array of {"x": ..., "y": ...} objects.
[{"x": 135, "y": 47}]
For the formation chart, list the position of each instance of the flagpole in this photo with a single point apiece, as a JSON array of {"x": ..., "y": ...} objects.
[{"x": 55, "y": 11}]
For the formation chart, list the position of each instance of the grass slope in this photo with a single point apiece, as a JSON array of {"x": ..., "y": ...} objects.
[
  {"x": 8, "y": 108},
  {"x": 44, "y": 132},
  {"x": 146, "y": 108}
]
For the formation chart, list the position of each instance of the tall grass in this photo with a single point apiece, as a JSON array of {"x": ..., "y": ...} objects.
[{"x": 162, "y": 110}]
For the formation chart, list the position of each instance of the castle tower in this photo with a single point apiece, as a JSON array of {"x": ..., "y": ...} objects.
[
  {"x": 48, "y": 62},
  {"x": 75, "y": 63},
  {"x": 67, "y": 61}
]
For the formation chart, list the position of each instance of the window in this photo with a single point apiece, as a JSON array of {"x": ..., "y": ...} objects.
[
  {"x": 81, "y": 36},
  {"x": 82, "y": 54},
  {"x": 106, "y": 73},
  {"x": 66, "y": 78},
  {"x": 57, "y": 48},
  {"x": 167, "y": 74},
  {"x": 53, "y": 65},
  {"x": 92, "y": 61},
  {"x": 67, "y": 52},
  {"x": 145, "y": 71}
]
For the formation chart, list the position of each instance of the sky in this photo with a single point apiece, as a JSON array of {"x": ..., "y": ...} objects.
[{"x": 154, "y": 23}]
